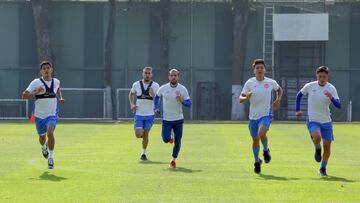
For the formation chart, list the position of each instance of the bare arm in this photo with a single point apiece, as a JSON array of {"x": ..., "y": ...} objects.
[
  {"x": 279, "y": 93},
  {"x": 28, "y": 95},
  {"x": 131, "y": 101},
  {"x": 244, "y": 97},
  {"x": 59, "y": 96},
  {"x": 276, "y": 103}
]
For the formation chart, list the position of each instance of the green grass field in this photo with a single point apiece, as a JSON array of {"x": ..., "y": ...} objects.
[{"x": 100, "y": 163}]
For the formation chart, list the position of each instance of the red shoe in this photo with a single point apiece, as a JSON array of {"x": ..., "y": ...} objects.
[
  {"x": 172, "y": 164},
  {"x": 171, "y": 140}
]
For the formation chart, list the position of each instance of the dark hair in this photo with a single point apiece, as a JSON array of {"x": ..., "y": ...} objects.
[
  {"x": 258, "y": 61},
  {"x": 45, "y": 63},
  {"x": 322, "y": 69}
]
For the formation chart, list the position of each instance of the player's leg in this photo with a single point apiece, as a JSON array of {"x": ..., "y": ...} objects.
[
  {"x": 327, "y": 137},
  {"x": 148, "y": 123},
  {"x": 139, "y": 132},
  {"x": 315, "y": 132},
  {"x": 254, "y": 128},
  {"x": 51, "y": 125},
  {"x": 145, "y": 142},
  {"x": 42, "y": 139},
  {"x": 178, "y": 132},
  {"x": 326, "y": 155},
  {"x": 138, "y": 126},
  {"x": 264, "y": 125},
  {"x": 166, "y": 131},
  {"x": 41, "y": 129}
]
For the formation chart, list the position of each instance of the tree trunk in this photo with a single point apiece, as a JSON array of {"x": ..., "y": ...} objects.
[
  {"x": 40, "y": 12},
  {"x": 110, "y": 104},
  {"x": 241, "y": 14},
  {"x": 164, "y": 39}
]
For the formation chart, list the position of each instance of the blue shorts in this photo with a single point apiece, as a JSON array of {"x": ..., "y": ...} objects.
[
  {"x": 43, "y": 124},
  {"x": 144, "y": 122},
  {"x": 325, "y": 129},
  {"x": 254, "y": 125}
]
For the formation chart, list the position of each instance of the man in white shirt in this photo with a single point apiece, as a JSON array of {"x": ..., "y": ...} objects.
[
  {"x": 320, "y": 95},
  {"x": 46, "y": 90},
  {"x": 144, "y": 90},
  {"x": 258, "y": 91},
  {"x": 174, "y": 96}
]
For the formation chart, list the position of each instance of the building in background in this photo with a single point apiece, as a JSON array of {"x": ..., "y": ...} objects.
[{"x": 201, "y": 46}]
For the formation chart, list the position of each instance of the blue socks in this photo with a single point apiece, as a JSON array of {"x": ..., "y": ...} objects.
[
  {"x": 265, "y": 144},
  {"x": 323, "y": 164},
  {"x": 317, "y": 146},
  {"x": 256, "y": 153}
]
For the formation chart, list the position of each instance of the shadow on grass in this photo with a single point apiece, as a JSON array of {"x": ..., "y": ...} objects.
[
  {"x": 51, "y": 177},
  {"x": 183, "y": 170},
  {"x": 273, "y": 177},
  {"x": 336, "y": 179},
  {"x": 151, "y": 162}
]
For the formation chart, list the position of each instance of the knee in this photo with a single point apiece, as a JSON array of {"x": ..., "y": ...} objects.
[
  {"x": 139, "y": 133},
  {"x": 42, "y": 139},
  {"x": 316, "y": 138},
  {"x": 166, "y": 139},
  {"x": 256, "y": 139},
  {"x": 262, "y": 133},
  {"x": 50, "y": 134}
]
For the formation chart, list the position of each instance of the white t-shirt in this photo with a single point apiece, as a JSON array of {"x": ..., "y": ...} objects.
[
  {"x": 260, "y": 100},
  {"x": 172, "y": 109},
  {"x": 44, "y": 107},
  {"x": 145, "y": 106},
  {"x": 318, "y": 102}
]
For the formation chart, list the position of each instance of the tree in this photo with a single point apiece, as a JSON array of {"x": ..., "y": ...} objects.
[
  {"x": 241, "y": 14},
  {"x": 40, "y": 11},
  {"x": 164, "y": 39},
  {"x": 110, "y": 104}
]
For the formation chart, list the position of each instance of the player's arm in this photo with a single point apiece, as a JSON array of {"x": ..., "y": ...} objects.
[
  {"x": 187, "y": 102},
  {"x": 157, "y": 102},
  {"x": 29, "y": 94},
  {"x": 245, "y": 93},
  {"x": 59, "y": 96},
  {"x": 276, "y": 103},
  {"x": 131, "y": 101},
  {"x": 334, "y": 99},
  {"x": 245, "y": 96},
  {"x": 184, "y": 99},
  {"x": 299, "y": 95},
  {"x": 336, "y": 102}
]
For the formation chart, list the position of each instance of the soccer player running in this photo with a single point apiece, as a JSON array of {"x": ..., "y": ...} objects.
[
  {"x": 144, "y": 90},
  {"x": 258, "y": 91},
  {"x": 320, "y": 95},
  {"x": 174, "y": 96},
  {"x": 46, "y": 91}
]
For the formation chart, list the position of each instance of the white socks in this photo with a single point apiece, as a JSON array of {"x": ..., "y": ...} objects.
[
  {"x": 51, "y": 154},
  {"x": 143, "y": 151},
  {"x": 173, "y": 159},
  {"x": 44, "y": 146}
]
